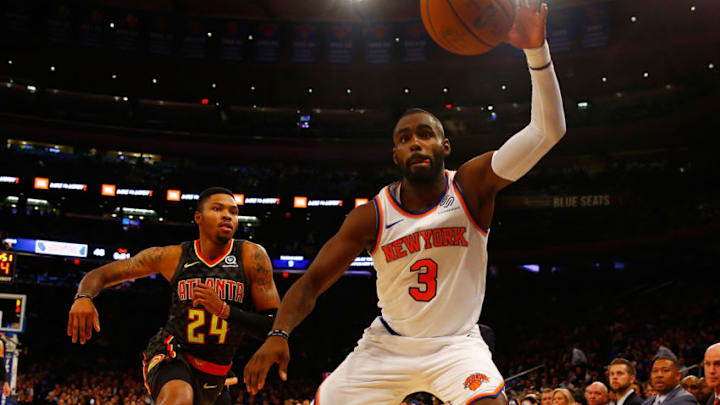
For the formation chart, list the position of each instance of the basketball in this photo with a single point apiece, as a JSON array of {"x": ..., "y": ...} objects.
[{"x": 468, "y": 27}]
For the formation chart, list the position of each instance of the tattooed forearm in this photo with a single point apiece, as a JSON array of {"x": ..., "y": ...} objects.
[{"x": 140, "y": 265}]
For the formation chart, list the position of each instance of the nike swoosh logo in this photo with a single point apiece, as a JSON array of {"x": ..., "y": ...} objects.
[
  {"x": 388, "y": 226},
  {"x": 190, "y": 265},
  {"x": 207, "y": 387}
]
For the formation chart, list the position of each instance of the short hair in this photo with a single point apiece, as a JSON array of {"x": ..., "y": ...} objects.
[
  {"x": 665, "y": 354},
  {"x": 565, "y": 393},
  {"x": 209, "y": 192},
  {"x": 630, "y": 367},
  {"x": 600, "y": 384},
  {"x": 545, "y": 390},
  {"x": 411, "y": 111}
]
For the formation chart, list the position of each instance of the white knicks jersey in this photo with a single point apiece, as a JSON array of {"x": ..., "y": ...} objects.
[{"x": 431, "y": 265}]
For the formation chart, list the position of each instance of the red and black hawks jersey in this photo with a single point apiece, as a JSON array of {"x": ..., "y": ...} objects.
[{"x": 196, "y": 331}]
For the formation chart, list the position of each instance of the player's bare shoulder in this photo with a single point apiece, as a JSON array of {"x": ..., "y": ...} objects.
[{"x": 255, "y": 260}]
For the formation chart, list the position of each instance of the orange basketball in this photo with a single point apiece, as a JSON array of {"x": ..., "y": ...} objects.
[{"x": 468, "y": 27}]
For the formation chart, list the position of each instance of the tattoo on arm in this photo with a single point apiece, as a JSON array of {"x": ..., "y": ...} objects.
[
  {"x": 140, "y": 265},
  {"x": 262, "y": 282}
]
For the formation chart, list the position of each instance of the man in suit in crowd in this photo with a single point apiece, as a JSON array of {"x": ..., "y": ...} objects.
[
  {"x": 712, "y": 373},
  {"x": 621, "y": 374},
  {"x": 665, "y": 377}
]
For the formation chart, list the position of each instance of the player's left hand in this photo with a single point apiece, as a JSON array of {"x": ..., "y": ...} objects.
[
  {"x": 207, "y": 297},
  {"x": 528, "y": 30},
  {"x": 6, "y": 389}
]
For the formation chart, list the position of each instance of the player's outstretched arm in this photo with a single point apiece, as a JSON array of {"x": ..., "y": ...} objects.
[
  {"x": 484, "y": 175},
  {"x": 83, "y": 317},
  {"x": 355, "y": 234}
]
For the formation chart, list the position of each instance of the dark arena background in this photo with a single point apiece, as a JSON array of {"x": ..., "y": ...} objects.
[{"x": 115, "y": 115}]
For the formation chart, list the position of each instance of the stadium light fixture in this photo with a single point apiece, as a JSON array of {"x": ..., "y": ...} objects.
[
  {"x": 112, "y": 25},
  {"x": 445, "y": 90},
  {"x": 604, "y": 79},
  {"x": 114, "y": 76},
  {"x": 348, "y": 90},
  {"x": 406, "y": 90},
  {"x": 646, "y": 75},
  {"x": 692, "y": 8},
  {"x": 52, "y": 68},
  {"x": 209, "y": 34},
  {"x": 503, "y": 87},
  {"x": 154, "y": 80},
  {"x": 633, "y": 19}
]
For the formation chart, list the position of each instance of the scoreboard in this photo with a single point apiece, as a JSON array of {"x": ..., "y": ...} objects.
[{"x": 7, "y": 265}]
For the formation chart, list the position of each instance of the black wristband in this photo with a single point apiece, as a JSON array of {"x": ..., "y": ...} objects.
[
  {"x": 78, "y": 296},
  {"x": 279, "y": 332},
  {"x": 541, "y": 67}
]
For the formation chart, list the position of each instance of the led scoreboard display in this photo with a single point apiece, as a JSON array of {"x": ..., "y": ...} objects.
[{"x": 7, "y": 265}]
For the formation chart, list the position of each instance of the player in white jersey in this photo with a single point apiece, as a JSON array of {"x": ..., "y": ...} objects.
[{"x": 427, "y": 234}]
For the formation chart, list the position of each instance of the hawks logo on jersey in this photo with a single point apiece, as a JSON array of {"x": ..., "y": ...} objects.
[
  {"x": 226, "y": 289},
  {"x": 425, "y": 239}
]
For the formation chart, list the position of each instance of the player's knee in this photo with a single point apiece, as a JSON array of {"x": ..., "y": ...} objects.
[
  {"x": 499, "y": 400},
  {"x": 175, "y": 392}
]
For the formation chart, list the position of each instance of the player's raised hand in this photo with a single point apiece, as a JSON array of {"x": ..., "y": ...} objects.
[
  {"x": 207, "y": 297},
  {"x": 528, "y": 30},
  {"x": 274, "y": 350},
  {"x": 82, "y": 319}
]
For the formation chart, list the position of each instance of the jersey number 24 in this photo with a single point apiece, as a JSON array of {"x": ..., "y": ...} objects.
[{"x": 218, "y": 327}]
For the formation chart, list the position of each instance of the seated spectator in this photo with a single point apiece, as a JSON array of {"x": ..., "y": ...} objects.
[
  {"x": 562, "y": 396},
  {"x": 596, "y": 394},
  {"x": 691, "y": 384},
  {"x": 622, "y": 378},
  {"x": 711, "y": 364},
  {"x": 546, "y": 396},
  {"x": 665, "y": 377}
]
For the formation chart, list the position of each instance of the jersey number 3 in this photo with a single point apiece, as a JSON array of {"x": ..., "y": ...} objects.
[
  {"x": 218, "y": 327},
  {"x": 428, "y": 278}
]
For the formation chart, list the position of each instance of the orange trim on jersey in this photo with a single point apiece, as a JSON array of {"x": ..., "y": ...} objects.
[
  {"x": 467, "y": 211},
  {"x": 317, "y": 395},
  {"x": 169, "y": 345},
  {"x": 208, "y": 262},
  {"x": 486, "y": 395},
  {"x": 379, "y": 222},
  {"x": 429, "y": 211},
  {"x": 206, "y": 367},
  {"x": 145, "y": 381}
]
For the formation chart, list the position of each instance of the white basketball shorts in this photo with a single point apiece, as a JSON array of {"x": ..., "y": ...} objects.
[{"x": 385, "y": 368}]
